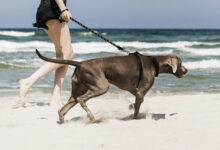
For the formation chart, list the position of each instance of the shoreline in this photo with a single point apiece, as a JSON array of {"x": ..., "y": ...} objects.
[{"x": 112, "y": 91}]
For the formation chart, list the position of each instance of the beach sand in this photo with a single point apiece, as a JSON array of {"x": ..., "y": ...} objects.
[{"x": 168, "y": 122}]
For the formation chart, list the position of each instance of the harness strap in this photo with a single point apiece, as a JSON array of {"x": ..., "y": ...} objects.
[
  {"x": 136, "y": 54},
  {"x": 154, "y": 61}
]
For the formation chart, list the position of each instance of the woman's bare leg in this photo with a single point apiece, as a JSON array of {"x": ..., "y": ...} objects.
[
  {"x": 60, "y": 36},
  {"x": 63, "y": 50}
]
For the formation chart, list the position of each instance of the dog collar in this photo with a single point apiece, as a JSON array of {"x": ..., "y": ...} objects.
[{"x": 156, "y": 65}]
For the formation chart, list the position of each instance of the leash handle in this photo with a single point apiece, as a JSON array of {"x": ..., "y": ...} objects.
[{"x": 100, "y": 36}]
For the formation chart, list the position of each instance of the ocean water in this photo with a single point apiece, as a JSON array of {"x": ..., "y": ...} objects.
[{"x": 198, "y": 49}]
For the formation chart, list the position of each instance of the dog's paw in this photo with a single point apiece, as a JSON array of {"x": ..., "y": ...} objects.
[
  {"x": 61, "y": 118},
  {"x": 60, "y": 123}
]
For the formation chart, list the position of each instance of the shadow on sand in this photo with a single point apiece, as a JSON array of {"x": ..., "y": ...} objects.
[
  {"x": 39, "y": 104},
  {"x": 153, "y": 116}
]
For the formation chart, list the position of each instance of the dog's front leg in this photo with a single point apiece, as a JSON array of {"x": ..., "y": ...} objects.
[
  {"x": 140, "y": 97},
  {"x": 138, "y": 101}
]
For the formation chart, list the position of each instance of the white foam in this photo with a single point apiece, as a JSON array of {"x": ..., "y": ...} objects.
[
  {"x": 158, "y": 52},
  {"x": 137, "y": 44},
  {"x": 85, "y": 33},
  {"x": 203, "y": 52},
  {"x": 23, "y": 63},
  {"x": 93, "y": 47},
  {"x": 90, "y": 33},
  {"x": 8, "y": 46},
  {"x": 203, "y": 64},
  {"x": 96, "y": 47},
  {"x": 16, "y": 33},
  {"x": 86, "y": 47},
  {"x": 81, "y": 47}
]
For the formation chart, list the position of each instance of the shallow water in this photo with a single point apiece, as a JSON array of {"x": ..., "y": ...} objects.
[{"x": 198, "y": 49}]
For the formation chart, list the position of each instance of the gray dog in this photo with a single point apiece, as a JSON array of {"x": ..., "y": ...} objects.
[{"x": 91, "y": 78}]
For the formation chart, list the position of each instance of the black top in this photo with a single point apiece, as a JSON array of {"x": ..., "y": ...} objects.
[{"x": 48, "y": 9}]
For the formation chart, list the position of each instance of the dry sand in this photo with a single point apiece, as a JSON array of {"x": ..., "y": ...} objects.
[{"x": 168, "y": 122}]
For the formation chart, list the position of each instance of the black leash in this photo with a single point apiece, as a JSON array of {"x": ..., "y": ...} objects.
[{"x": 97, "y": 34}]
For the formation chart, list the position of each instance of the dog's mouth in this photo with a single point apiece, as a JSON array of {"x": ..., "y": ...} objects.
[
  {"x": 180, "y": 76},
  {"x": 181, "y": 72}
]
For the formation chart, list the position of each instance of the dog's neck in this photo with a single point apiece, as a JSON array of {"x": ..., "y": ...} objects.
[
  {"x": 156, "y": 65},
  {"x": 162, "y": 67}
]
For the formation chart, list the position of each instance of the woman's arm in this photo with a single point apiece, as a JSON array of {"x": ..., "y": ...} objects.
[
  {"x": 66, "y": 14},
  {"x": 60, "y": 4}
]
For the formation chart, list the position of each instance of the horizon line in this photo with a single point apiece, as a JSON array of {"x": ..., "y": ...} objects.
[{"x": 120, "y": 28}]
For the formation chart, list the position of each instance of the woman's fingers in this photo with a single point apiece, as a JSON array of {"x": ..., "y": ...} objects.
[{"x": 66, "y": 15}]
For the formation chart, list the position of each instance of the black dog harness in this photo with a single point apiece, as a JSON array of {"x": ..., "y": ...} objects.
[{"x": 155, "y": 63}]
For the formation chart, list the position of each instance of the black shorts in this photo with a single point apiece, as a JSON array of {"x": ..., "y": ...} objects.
[{"x": 47, "y": 10}]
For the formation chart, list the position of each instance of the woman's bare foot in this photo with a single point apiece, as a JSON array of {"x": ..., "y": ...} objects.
[
  {"x": 24, "y": 88},
  {"x": 18, "y": 104},
  {"x": 56, "y": 102}
]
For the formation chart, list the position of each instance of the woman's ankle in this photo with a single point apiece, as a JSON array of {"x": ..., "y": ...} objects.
[{"x": 25, "y": 85}]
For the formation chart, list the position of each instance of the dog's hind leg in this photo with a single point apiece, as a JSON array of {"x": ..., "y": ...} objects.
[
  {"x": 62, "y": 112},
  {"x": 77, "y": 90},
  {"x": 90, "y": 94}
]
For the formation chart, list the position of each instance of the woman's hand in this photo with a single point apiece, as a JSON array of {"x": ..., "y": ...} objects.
[{"x": 66, "y": 15}]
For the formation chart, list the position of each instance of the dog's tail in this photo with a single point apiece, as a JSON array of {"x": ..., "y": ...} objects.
[{"x": 59, "y": 61}]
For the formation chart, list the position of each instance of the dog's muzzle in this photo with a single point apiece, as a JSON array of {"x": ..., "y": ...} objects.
[{"x": 180, "y": 72}]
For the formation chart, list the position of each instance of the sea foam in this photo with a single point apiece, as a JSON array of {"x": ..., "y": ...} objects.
[
  {"x": 89, "y": 34},
  {"x": 16, "y": 33},
  {"x": 97, "y": 47},
  {"x": 203, "y": 52},
  {"x": 203, "y": 64}
]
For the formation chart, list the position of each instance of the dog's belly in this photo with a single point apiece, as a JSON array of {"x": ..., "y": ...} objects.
[
  {"x": 123, "y": 74},
  {"x": 124, "y": 83}
]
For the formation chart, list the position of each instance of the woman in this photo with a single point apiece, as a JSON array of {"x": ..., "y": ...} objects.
[{"x": 52, "y": 16}]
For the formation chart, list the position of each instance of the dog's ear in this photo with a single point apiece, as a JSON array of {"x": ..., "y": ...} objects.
[
  {"x": 174, "y": 68},
  {"x": 172, "y": 62}
]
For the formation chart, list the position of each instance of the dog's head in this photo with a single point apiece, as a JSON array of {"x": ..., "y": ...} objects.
[{"x": 174, "y": 66}]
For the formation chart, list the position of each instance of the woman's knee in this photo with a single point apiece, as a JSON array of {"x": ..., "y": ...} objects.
[
  {"x": 65, "y": 53},
  {"x": 69, "y": 53}
]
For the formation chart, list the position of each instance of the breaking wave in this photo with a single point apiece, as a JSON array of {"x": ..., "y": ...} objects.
[
  {"x": 203, "y": 64},
  {"x": 97, "y": 47},
  {"x": 16, "y": 33}
]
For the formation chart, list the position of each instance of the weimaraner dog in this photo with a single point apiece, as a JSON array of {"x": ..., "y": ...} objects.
[{"x": 91, "y": 78}]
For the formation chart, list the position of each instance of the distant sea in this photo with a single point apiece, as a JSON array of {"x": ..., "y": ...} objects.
[{"x": 198, "y": 49}]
